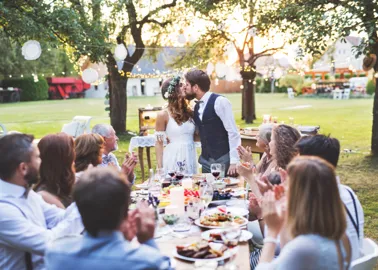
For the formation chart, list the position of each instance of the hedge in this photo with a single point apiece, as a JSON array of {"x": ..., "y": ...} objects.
[
  {"x": 370, "y": 87},
  {"x": 30, "y": 90}
]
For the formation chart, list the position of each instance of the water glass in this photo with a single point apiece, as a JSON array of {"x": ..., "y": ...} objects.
[
  {"x": 206, "y": 194},
  {"x": 230, "y": 238}
]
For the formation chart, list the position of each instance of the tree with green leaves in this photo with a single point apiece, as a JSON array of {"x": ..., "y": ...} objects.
[
  {"x": 316, "y": 24},
  {"x": 232, "y": 24},
  {"x": 91, "y": 29}
]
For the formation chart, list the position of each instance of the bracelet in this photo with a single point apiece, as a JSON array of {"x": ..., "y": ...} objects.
[{"x": 270, "y": 240}]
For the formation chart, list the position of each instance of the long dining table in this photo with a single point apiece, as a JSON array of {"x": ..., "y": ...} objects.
[{"x": 168, "y": 242}]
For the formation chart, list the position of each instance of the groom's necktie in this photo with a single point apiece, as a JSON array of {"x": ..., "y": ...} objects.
[{"x": 198, "y": 101}]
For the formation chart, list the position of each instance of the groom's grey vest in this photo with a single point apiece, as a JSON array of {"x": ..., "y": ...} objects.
[{"x": 214, "y": 137}]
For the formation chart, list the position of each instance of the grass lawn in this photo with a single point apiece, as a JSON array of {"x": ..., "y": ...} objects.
[{"x": 348, "y": 120}]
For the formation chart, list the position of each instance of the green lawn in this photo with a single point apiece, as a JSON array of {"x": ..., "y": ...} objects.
[{"x": 348, "y": 120}]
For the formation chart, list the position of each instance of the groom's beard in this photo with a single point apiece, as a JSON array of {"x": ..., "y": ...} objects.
[
  {"x": 31, "y": 176},
  {"x": 190, "y": 96}
]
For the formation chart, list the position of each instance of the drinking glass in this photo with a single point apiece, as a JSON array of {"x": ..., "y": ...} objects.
[
  {"x": 230, "y": 238},
  {"x": 206, "y": 194},
  {"x": 171, "y": 173},
  {"x": 216, "y": 169},
  {"x": 160, "y": 175}
]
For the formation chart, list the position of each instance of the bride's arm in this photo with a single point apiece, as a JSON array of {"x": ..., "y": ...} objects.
[
  {"x": 196, "y": 136},
  {"x": 161, "y": 125}
]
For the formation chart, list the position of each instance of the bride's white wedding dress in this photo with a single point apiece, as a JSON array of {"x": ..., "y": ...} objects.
[{"x": 181, "y": 146}]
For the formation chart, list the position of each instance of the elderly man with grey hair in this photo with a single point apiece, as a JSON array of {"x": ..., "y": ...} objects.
[{"x": 110, "y": 145}]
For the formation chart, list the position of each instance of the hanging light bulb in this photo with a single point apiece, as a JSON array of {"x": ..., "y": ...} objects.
[
  {"x": 254, "y": 83},
  {"x": 376, "y": 75},
  {"x": 242, "y": 87}
]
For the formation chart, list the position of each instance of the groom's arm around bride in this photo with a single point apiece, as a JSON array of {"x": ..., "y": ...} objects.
[{"x": 215, "y": 122}]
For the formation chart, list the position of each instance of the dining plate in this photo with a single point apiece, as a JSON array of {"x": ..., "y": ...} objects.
[
  {"x": 235, "y": 211},
  {"x": 232, "y": 181},
  {"x": 226, "y": 255},
  {"x": 198, "y": 223},
  {"x": 245, "y": 235}
]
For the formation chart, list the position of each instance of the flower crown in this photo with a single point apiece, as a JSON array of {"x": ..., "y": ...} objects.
[{"x": 172, "y": 85}]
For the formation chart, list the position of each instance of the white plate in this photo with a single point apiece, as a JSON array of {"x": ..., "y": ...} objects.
[
  {"x": 245, "y": 235},
  {"x": 227, "y": 254},
  {"x": 235, "y": 211},
  {"x": 238, "y": 192},
  {"x": 142, "y": 186},
  {"x": 198, "y": 223},
  {"x": 233, "y": 181}
]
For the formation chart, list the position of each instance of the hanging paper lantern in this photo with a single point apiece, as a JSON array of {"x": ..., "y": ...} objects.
[
  {"x": 90, "y": 75},
  {"x": 252, "y": 31},
  {"x": 221, "y": 69},
  {"x": 209, "y": 68},
  {"x": 181, "y": 39},
  {"x": 31, "y": 50},
  {"x": 120, "y": 52}
]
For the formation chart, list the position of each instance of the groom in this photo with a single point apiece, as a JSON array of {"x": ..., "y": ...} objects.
[{"x": 215, "y": 122}]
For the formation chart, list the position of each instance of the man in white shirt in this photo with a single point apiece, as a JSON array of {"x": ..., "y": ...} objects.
[
  {"x": 110, "y": 145},
  {"x": 27, "y": 222},
  {"x": 215, "y": 122},
  {"x": 329, "y": 149}
]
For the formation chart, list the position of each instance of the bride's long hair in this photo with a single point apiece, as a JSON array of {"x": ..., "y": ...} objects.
[{"x": 178, "y": 106}]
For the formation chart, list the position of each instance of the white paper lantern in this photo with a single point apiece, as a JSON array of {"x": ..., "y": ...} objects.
[
  {"x": 90, "y": 75},
  {"x": 252, "y": 32},
  {"x": 31, "y": 50},
  {"x": 209, "y": 68},
  {"x": 120, "y": 52},
  {"x": 221, "y": 69},
  {"x": 284, "y": 62},
  {"x": 181, "y": 39}
]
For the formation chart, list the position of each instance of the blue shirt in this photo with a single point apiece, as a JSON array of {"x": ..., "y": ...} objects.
[
  {"x": 109, "y": 250},
  {"x": 28, "y": 223}
]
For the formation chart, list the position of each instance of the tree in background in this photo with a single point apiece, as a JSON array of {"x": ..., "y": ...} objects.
[
  {"x": 317, "y": 23},
  {"x": 90, "y": 30},
  {"x": 232, "y": 24}
]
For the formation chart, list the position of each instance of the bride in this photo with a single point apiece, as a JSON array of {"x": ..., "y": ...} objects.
[{"x": 175, "y": 124}]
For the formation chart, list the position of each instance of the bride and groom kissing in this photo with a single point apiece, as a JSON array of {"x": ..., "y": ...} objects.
[{"x": 211, "y": 120}]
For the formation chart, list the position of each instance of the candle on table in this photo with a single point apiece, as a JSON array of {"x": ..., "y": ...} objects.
[
  {"x": 177, "y": 199},
  {"x": 187, "y": 183}
]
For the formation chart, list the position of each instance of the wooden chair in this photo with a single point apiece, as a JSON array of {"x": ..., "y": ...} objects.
[{"x": 290, "y": 93}]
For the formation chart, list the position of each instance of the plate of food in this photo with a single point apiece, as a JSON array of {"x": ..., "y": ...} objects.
[
  {"x": 235, "y": 211},
  {"x": 220, "y": 220},
  {"x": 203, "y": 250},
  {"x": 230, "y": 181},
  {"x": 214, "y": 235}
]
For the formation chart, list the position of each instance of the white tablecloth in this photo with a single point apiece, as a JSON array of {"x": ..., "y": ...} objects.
[{"x": 148, "y": 141}]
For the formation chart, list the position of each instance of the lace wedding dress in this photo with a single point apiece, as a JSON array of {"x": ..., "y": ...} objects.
[{"x": 181, "y": 146}]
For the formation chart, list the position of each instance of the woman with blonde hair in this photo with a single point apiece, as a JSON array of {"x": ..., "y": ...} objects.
[
  {"x": 57, "y": 172},
  {"x": 89, "y": 149},
  {"x": 176, "y": 125},
  {"x": 314, "y": 222}
]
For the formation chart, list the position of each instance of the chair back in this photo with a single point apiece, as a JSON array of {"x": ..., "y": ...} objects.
[
  {"x": 290, "y": 92},
  {"x": 79, "y": 125},
  {"x": 369, "y": 256}
]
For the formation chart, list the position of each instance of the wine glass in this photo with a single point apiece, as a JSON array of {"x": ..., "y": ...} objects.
[
  {"x": 216, "y": 169},
  {"x": 206, "y": 194},
  {"x": 230, "y": 238}
]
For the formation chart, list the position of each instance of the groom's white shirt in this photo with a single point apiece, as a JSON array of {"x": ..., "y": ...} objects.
[{"x": 223, "y": 109}]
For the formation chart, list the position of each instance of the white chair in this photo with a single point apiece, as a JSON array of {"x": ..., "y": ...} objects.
[
  {"x": 346, "y": 93},
  {"x": 257, "y": 237},
  {"x": 3, "y": 130},
  {"x": 337, "y": 94},
  {"x": 290, "y": 93},
  {"x": 79, "y": 125},
  {"x": 369, "y": 256}
]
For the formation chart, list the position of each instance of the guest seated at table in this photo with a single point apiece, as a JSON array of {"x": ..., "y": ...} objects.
[
  {"x": 314, "y": 222},
  {"x": 103, "y": 197},
  {"x": 329, "y": 149},
  {"x": 27, "y": 222},
  {"x": 57, "y": 170},
  {"x": 89, "y": 149},
  {"x": 111, "y": 144},
  {"x": 266, "y": 163}
]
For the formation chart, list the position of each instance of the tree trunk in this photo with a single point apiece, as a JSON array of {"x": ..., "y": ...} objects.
[
  {"x": 374, "y": 138},
  {"x": 117, "y": 99},
  {"x": 249, "y": 96}
]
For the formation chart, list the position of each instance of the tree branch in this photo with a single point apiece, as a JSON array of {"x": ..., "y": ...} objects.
[
  {"x": 157, "y": 10},
  {"x": 161, "y": 24},
  {"x": 268, "y": 52}
]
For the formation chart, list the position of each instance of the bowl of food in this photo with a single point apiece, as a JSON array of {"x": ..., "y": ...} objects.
[
  {"x": 170, "y": 219},
  {"x": 219, "y": 185}
]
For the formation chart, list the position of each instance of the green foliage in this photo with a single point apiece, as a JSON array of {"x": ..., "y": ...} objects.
[
  {"x": 337, "y": 76},
  {"x": 362, "y": 75},
  {"x": 265, "y": 86},
  {"x": 370, "y": 87},
  {"x": 292, "y": 80},
  {"x": 347, "y": 75},
  {"x": 327, "y": 76},
  {"x": 30, "y": 90},
  {"x": 308, "y": 77}
]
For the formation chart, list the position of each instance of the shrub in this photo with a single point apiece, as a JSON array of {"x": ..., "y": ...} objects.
[
  {"x": 362, "y": 75},
  {"x": 308, "y": 77},
  {"x": 347, "y": 75},
  {"x": 370, "y": 87},
  {"x": 30, "y": 90},
  {"x": 326, "y": 77},
  {"x": 292, "y": 80},
  {"x": 337, "y": 76}
]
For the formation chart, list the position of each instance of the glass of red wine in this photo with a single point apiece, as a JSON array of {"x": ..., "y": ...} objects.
[{"x": 216, "y": 169}]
